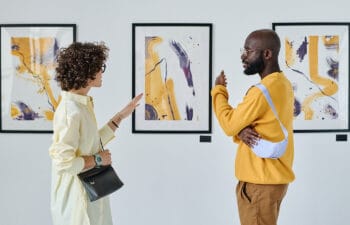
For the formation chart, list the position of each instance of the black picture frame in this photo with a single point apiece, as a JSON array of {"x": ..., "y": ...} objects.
[
  {"x": 172, "y": 66},
  {"x": 315, "y": 58},
  {"x": 29, "y": 93}
]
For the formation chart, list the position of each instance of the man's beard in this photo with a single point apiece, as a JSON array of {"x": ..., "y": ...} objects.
[{"x": 255, "y": 67}]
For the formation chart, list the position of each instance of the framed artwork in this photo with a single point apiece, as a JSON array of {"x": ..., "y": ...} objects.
[
  {"x": 315, "y": 58},
  {"x": 29, "y": 93},
  {"x": 172, "y": 66}
]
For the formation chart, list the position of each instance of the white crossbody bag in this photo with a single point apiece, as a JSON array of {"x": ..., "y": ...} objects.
[{"x": 265, "y": 148}]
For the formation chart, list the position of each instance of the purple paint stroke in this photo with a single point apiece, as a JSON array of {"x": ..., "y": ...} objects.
[
  {"x": 297, "y": 107},
  {"x": 302, "y": 50},
  {"x": 332, "y": 112},
  {"x": 56, "y": 48},
  {"x": 334, "y": 68},
  {"x": 150, "y": 112},
  {"x": 26, "y": 112},
  {"x": 184, "y": 62},
  {"x": 189, "y": 112},
  {"x": 14, "y": 47},
  {"x": 50, "y": 55}
]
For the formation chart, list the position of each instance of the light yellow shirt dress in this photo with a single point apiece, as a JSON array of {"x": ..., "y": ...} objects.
[{"x": 75, "y": 135}]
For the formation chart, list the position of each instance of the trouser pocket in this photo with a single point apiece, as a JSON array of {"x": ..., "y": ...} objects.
[{"x": 242, "y": 191}]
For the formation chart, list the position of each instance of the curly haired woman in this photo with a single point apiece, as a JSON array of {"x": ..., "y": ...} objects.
[{"x": 76, "y": 139}]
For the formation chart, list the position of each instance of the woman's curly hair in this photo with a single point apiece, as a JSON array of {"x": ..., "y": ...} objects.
[{"x": 78, "y": 63}]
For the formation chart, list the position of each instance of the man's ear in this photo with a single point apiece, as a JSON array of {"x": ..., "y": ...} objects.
[{"x": 267, "y": 53}]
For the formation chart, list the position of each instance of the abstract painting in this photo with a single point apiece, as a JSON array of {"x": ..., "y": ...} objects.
[
  {"x": 29, "y": 93},
  {"x": 315, "y": 58},
  {"x": 172, "y": 67}
]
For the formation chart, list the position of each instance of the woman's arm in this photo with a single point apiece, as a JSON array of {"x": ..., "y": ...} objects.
[{"x": 125, "y": 112}]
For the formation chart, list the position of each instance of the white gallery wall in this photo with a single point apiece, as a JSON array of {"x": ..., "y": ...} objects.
[{"x": 173, "y": 179}]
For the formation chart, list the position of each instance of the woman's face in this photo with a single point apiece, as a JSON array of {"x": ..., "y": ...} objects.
[{"x": 97, "y": 82}]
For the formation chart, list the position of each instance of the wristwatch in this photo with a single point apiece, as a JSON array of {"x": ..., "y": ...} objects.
[{"x": 98, "y": 160}]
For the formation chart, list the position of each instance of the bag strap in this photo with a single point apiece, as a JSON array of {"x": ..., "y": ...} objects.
[
  {"x": 269, "y": 100},
  {"x": 102, "y": 148}
]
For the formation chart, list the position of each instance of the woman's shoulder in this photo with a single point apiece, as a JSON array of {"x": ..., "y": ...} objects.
[{"x": 68, "y": 108}]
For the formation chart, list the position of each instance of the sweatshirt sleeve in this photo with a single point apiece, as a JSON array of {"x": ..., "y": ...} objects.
[
  {"x": 233, "y": 120},
  {"x": 63, "y": 150}
]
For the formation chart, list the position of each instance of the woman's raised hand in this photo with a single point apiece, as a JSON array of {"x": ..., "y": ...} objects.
[{"x": 129, "y": 108}]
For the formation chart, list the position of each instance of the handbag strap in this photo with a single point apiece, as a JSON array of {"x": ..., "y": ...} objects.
[
  {"x": 269, "y": 100},
  {"x": 102, "y": 148}
]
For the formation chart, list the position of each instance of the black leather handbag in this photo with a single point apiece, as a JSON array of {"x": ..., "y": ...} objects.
[{"x": 100, "y": 181}]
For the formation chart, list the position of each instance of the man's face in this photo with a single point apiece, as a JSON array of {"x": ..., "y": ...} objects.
[
  {"x": 252, "y": 55},
  {"x": 253, "y": 64}
]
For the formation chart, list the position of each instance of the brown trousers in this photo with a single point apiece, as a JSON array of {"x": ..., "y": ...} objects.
[{"x": 259, "y": 204}]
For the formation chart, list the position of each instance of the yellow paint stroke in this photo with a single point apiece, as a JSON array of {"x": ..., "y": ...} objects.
[
  {"x": 159, "y": 95},
  {"x": 331, "y": 41},
  {"x": 15, "y": 111},
  {"x": 31, "y": 53},
  {"x": 49, "y": 114},
  {"x": 290, "y": 54},
  {"x": 330, "y": 87}
]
